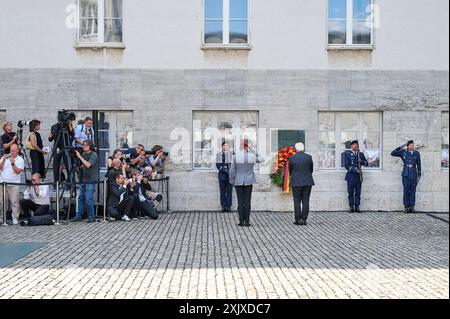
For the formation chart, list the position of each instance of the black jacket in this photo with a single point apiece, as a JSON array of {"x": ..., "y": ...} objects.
[
  {"x": 301, "y": 167},
  {"x": 114, "y": 194}
]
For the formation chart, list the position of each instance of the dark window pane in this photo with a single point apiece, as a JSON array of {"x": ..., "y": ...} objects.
[
  {"x": 361, "y": 32},
  {"x": 337, "y": 33},
  {"x": 104, "y": 119},
  {"x": 337, "y": 9},
  {"x": 361, "y": 9},
  {"x": 213, "y": 9},
  {"x": 213, "y": 32},
  {"x": 113, "y": 8},
  {"x": 238, "y": 31},
  {"x": 88, "y": 8},
  {"x": 103, "y": 139},
  {"x": 239, "y": 9},
  {"x": 102, "y": 156},
  {"x": 113, "y": 30}
]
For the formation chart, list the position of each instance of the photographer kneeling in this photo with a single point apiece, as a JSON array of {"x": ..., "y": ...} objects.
[
  {"x": 119, "y": 205},
  {"x": 36, "y": 197},
  {"x": 143, "y": 204}
]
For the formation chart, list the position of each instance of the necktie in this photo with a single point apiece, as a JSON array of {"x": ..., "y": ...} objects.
[{"x": 223, "y": 158}]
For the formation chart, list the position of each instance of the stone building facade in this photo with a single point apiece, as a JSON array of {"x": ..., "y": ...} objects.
[{"x": 285, "y": 76}]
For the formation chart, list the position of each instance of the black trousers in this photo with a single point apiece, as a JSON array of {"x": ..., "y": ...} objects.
[
  {"x": 301, "y": 202},
  {"x": 123, "y": 209},
  {"x": 244, "y": 196},
  {"x": 28, "y": 204},
  {"x": 144, "y": 208},
  {"x": 37, "y": 163},
  {"x": 57, "y": 165},
  {"x": 226, "y": 190}
]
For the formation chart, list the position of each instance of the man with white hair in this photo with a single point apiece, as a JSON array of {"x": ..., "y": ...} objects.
[
  {"x": 12, "y": 166},
  {"x": 301, "y": 167}
]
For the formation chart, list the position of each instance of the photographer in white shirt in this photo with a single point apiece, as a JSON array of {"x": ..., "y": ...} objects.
[
  {"x": 12, "y": 166},
  {"x": 35, "y": 198}
]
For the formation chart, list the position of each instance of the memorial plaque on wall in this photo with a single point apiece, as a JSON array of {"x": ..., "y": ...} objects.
[{"x": 284, "y": 138}]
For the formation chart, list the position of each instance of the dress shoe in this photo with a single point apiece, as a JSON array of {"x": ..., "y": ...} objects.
[
  {"x": 357, "y": 210},
  {"x": 412, "y": 210},
  {"x": 241, "y": 224},
  {"x": 352, "y": 209},
  {"x": 303, "y": 222},
  {"x": 247, "y": 224},
  {"x": 224, "y": 209},
  {"x": 406, "y": 210},
  {"x": 297, "y": 223}
]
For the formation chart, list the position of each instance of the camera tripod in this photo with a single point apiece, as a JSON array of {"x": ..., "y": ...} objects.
[
  {"x": 22, "y": 150},
  {"x": 63, "y": 151}
]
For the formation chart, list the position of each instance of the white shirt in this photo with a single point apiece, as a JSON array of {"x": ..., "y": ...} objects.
[
  {"x": 83, "y": 133},
  {"x": 40, "y": 199},
  {"x": 8, "y": 175}
]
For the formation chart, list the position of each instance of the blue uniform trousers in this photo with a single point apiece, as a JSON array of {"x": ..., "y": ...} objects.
[{"x": 409, "y": 190}]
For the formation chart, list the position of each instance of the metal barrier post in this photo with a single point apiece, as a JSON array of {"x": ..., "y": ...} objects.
[
  {"x": 105, "y": 190},
  {"x": 4, "y": 204},
  {"x": 167, "y": 190},
  {"x": 57, "y": 203}
]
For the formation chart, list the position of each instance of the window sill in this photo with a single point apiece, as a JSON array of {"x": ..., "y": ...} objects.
[
  {"x": 226, "y": 47},
  {"x": 350, "y": 47},
  {"x": 95, "y": 46}
]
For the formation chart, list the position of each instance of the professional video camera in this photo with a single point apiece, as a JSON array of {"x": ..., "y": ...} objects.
[
  {"x": 21, "y": 124},
  {"x": 65, "y": 116}
]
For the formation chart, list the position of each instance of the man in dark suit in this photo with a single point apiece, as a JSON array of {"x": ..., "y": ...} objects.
[
  {"x": 119, "y": 205},
  {"x": 301, "y": 167}
]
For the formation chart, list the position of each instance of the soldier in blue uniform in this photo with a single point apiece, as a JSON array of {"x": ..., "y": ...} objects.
[
  {"x": 354, "y": 179},
  {"x": 412, "y": 171}
]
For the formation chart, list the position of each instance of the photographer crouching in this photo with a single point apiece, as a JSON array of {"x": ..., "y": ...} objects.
[
  {"x": 119, "y": 205},
  {"x": 36, "y": 197},
  {"x": 88, "y": 174}
]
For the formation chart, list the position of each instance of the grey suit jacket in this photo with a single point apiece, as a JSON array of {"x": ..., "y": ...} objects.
[{"x": 242, "y": 169}]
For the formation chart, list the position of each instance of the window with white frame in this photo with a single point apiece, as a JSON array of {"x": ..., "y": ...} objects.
[
  {"x": 338, "y": 129},
  {"x": 226, "y": 21},
  {"x": 211, "y": 129},
  {"x": 114, "y": 131},
  {"x": 100, "y": 21},
  {"x": 444, "y": 140},
  {"x": 350, "y": 22}
]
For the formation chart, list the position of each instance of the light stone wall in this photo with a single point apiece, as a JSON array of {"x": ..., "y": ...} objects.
[
  {"x": 284, "y": 34},
  {"x": 411, "y": 103}
]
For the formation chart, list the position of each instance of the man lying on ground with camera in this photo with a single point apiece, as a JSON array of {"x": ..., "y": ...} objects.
[{"x": 36, "y": 198}]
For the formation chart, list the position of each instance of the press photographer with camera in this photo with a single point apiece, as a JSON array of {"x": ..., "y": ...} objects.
[
  {"x": 35, "y": 145},
  {"x": 119, "y": 205},
  {"x": 12, "y": 166},
  {"x": 9, "y": 137},
  {"x": 117, "y": 154},
  {"x": 84, "y": 132},
  {"x": 62, "y": 134},
  {"x": 88, "y": 174},
  {"x": 134, "y": 154},
  {"x": 36, "y": 197},
  {"x": 143, "y": 204},
  {"x": 157, "y": 158},
  {"x": 118, "y": 167}
]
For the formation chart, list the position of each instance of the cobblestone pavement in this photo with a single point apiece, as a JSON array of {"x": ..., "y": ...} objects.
[{"x": 205, "y": 255}]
